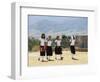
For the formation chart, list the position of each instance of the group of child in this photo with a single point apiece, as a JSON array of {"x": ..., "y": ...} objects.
[{"x": 46, "y": 51}]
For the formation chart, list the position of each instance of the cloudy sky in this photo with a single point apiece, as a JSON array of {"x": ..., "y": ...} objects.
[{"x": 55, "y": 25}]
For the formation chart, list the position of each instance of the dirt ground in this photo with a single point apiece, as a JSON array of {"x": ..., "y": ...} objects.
[{"x": 81, "y": 56}]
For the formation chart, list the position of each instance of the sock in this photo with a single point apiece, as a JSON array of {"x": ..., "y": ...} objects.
[
  {"x": 42, "y": 58},
  {"x": 72, "y": 56}
]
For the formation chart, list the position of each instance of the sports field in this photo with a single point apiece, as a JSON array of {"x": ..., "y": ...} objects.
[{"x": 81, "y": 56}]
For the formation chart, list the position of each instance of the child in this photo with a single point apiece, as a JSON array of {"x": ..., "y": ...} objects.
[
  {"x": 49, "y": 48},
  {"x": 72, "y": 47},
  {"x": 58, "y": 49},
  {"x": 42, "y": 48}
]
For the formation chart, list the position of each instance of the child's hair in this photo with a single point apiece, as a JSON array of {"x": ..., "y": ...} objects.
[
  {"x": 57, "y": 37},
  {"x": 49, "y": 37},
  {"x": 43, "y": 36}
]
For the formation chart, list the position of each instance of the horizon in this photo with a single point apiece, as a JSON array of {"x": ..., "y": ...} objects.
[{"x": 57, "y": 25}]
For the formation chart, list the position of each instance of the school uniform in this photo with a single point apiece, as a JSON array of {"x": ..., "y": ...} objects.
[
  {"x": 42, "y": 47},
  {"x": 49, "y": 48},
  {"x": 58, "y": 49},
  {"x": 72, "y": 46}
]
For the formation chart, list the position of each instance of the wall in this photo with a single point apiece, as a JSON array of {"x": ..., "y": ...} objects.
[{"x": 5, "y": 40}]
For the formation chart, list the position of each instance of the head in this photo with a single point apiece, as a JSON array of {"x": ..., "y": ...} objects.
[
  {"x": 43, "y": 36},
  {"x": 49, "y": 37},
  {"x": 57, "y": 37}
]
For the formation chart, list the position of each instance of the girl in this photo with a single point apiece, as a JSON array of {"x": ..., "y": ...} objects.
[
  {"x": 58, "y": 49},
  {"x": 42, "y": 48},
  {"x": 49, "y": 48},
  {"x": 72, "y": 47}
]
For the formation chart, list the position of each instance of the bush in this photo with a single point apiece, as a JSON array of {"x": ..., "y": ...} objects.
[
  {"x": 32, "y": 44},
  {"x": 36, "y": 48},
  {"x": 82, "y": 49}
]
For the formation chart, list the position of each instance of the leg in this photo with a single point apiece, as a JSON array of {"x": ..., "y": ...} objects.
[
  {"x": 57, "y": 57},
  {"x": 73, "y": 57},
  {"x": 61, "y": 57}
]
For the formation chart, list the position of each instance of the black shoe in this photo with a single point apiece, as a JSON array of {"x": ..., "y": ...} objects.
[
  {"x": 61, "y": 58},
  {"x": 74, "y": 58},
  {"x": 50, "y": 60},
  {"x": 56, "y": 58},
  {"x": 38, "y": 59},
  {"x": 44, "y": 61},
  {"x": 47, "y": 58}
]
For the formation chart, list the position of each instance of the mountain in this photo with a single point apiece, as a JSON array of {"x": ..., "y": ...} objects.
[{"x": 53, "y": 28}]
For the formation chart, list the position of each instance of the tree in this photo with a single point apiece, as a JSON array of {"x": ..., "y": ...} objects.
[
  {"x": 32, "y": 42},
  {"x": 65, "y": 41}
]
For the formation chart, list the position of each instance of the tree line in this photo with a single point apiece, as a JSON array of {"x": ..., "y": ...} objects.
[{"x": 81, "y": 42}]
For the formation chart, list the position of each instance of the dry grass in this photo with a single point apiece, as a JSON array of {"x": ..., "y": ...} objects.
[{"x": 81, "y": 56}]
